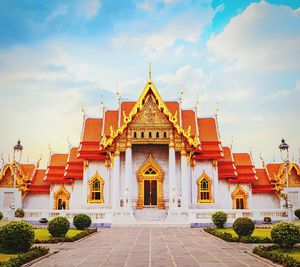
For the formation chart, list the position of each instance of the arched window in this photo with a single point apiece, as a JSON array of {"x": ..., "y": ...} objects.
[
  {"x": 142, "y": 135},
  {"x": 96, "y": 189},
  {"x": 204, "y": 189},
  {"x": 134, "y": 135},
  {"x": 150, "y": 171},
  {"x": 240, "y": 198},
  {"x": 150, "y": 135},
  {"x": 157, "y": 134},
  {"x": 165, "y": 135}
]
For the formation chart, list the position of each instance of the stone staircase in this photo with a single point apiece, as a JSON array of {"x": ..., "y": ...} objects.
[{"x": 150, "y": 214}]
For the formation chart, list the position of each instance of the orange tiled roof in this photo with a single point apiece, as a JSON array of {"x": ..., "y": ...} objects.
[
  {"x": 90, "y": 143},
  {"x": 38, "y": 185},
  {"x": 126, "y": 107},
  {"x": 27, "y": 169},
  {"x": 56, "y": 168},
  {"x": 189, "y": 119},
  {"x": 210, "y": 144},
  {"x": 74, "y": 167},
  {"x": 245, "y": 168},
  {"x": 111, "y": 119},
  {"x": 173, "y": 107},
  {"x": 273, "y": 169},
  {"x": 226, "y": 166},
  {"x": 264, "y": 183}
]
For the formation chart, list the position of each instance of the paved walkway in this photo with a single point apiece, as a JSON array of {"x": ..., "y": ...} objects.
[{"x": 151, "y": 246}]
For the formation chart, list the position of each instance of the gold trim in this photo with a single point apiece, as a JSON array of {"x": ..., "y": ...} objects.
[
  {"x": 106, "y": 142},
  {"x": 204, "y": 176},
  {"x": 61, "y": 193},
  {"x": 150, "y": 163},
  {"x": 240, "y": 192},
  {"x": 98, "y": 178}
]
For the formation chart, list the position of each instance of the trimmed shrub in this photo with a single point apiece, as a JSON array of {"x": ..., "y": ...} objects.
[
  {"x": 82, "y": 221},
  {"x": 243, "y": 227},
  {"x": 1, "y": 215},
  {"x": 17, "y": 236},
  {"x": 58, "y": 226},
  {"x": 297, "y": 213},
  {"x": 219, "y": 218},
  {"x": 285, "y": 234},
  {"x": 19, "y": 213}
]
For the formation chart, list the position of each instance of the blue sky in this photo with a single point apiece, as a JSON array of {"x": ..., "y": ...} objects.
[{"x": 56, "y": 56}]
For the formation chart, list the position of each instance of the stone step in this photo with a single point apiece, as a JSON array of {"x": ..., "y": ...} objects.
[{"x": 150, "y": 214}]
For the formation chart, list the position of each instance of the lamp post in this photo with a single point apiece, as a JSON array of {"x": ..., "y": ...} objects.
[
  {"x": 284, "y": 150},
  {"x": 16, "y": 159}
]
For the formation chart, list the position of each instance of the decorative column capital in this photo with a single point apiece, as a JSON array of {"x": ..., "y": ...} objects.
[
  {"x": 117, "y": 150},
  {"x": 183, "y": 151},
  {"x": 128, "y": 142},
  {"x": 172, "y": 143}
]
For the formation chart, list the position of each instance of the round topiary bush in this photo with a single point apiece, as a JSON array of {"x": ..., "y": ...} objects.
[
  {"x": 219, "y": 218},
  {"x": 297, "y": 213},
  {"x": 18, "y": 236},
  {"x": 285, "y": 234},
  {"x": 243, "y": 227},
  {"x": 58, "y": 226},
  {"x": 82, "y": 221},
  {"x": 1, "y": 215},
  {"x": 19, "y": 213}
]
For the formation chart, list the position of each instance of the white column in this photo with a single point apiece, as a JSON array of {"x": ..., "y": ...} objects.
[
  {"x": 116, "y": 180},
  {"x": 184, "y": 180},
  {"x": 128, "y": 173},
  {"x": 172, "y": 173}
]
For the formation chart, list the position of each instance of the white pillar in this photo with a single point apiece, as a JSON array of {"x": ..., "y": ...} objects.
[
  {"x": 128, "y": 173},
  {"x": 116, "y": 180},
  {"x": 172, "y": 173},
  {"x": 184, "y": 180}
]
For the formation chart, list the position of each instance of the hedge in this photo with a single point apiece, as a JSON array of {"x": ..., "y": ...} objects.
[
  {"x": 229, "y": 238},
  {"x": 83, "y": 234},
  {"x": 30, "y": 255},
  {"x": 268, "y": 252}
]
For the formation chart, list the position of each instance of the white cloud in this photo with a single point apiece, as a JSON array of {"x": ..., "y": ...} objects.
[
  {"x": 264, "y": 37},
  {"x": 149, "y": 5},
  {"x": 154, "y": 43},
  {"x": 88, "y": 8},
  {"x": 59, "y": 11}
]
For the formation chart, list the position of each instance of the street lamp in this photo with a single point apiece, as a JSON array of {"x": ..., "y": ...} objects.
[
  {"x": 284, "y": 150},
  {"x": 17, "y": 154}
]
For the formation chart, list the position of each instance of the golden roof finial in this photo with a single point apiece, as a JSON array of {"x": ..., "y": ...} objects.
[
  {"x": 68, "y": 141},
  {"x": 197, "y": 104},
  {"x": 118, "y": 94},
  {"x": 181, "y": 94},
  {"x": 49, "y": 147},
  {"x": 217, "y": 109},
  {"x": 251, "y": 148},
  {"x": 262, "y": 160},
  {"x": 39, "y": 160},
  {"x": 150, "y": 71},
  {"x": 82, "y": 109},
  {"x": 231, "y": 142},
  {"x": 102, "y": 105},
  {"x": 2, "y": 159}
]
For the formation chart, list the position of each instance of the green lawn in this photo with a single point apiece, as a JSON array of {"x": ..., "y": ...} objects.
[
  {"x": 43, "y": 234},
  {"x": 262, "y": 233},
  {"x": 295, "y": 253},
  {"x": 5, "y": 255}
]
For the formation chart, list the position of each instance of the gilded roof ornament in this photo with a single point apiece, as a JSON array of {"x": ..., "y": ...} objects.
[{"x": 150, "y": 71}]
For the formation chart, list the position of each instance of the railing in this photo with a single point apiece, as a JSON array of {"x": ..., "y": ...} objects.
[{"x": 197, "y": 215}]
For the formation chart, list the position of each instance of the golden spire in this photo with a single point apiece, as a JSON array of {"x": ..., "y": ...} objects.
[
  {"x": 231, "y": 142},
  {"x": 82, "y": 109},
  {"x": 68, "y": 141},
  {"x": 38, "y": 162},
  {"x": 217, "y": 109},
  {"x": 50, "y": 149},
  {"x": 262, "y": 160},
  {"x": 118, "y": 94},
  {"x": 251, "y": 148},
  {"x": 181, "y": 94},
  {"x": 102, "y": 105},
  {"x": 150, "y": 71},
  {"x": 197, "y": 104}
]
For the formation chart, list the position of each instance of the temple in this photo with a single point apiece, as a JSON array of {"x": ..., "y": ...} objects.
[{"x": 149, "y": 160}]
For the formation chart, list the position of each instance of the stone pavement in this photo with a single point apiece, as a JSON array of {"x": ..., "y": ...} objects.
[{"x": 151, "y": 246}]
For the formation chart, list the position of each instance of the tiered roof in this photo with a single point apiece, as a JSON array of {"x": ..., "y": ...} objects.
[
  {"x": 74, "y": 167},
  {"x": 56, "y": 169}
]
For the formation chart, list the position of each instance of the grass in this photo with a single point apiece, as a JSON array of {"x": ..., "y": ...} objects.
[
  {"x": 5, "y": 255},
  {"x": 262, "y": 233},
  {"x": 43, "y": 234},
  {"x": 294, "y": 253}
]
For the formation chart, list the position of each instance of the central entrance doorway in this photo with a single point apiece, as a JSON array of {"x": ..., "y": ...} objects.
[
  {"x": 150, "y": 192},
  {"x": 150, "y": 185}
]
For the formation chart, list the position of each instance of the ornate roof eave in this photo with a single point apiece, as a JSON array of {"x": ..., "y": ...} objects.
[{"x": 106, "y": 142}]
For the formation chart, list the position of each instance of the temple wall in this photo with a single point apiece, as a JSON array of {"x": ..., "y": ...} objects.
[
  {"x": 265, "y": 201},
  {"x": 76, "y": 198},
  {"x": 225, "y": 200},
  {"x": 89, "y": 172},
  {"x": 18, "y": 195},
  {"x": 207, "y": 167},
  {"x": 36, "y": 201},
  {"x": 160, "y": 154}
]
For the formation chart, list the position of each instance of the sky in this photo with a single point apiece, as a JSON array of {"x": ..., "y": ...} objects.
[{"x": 240, "y": 57}]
